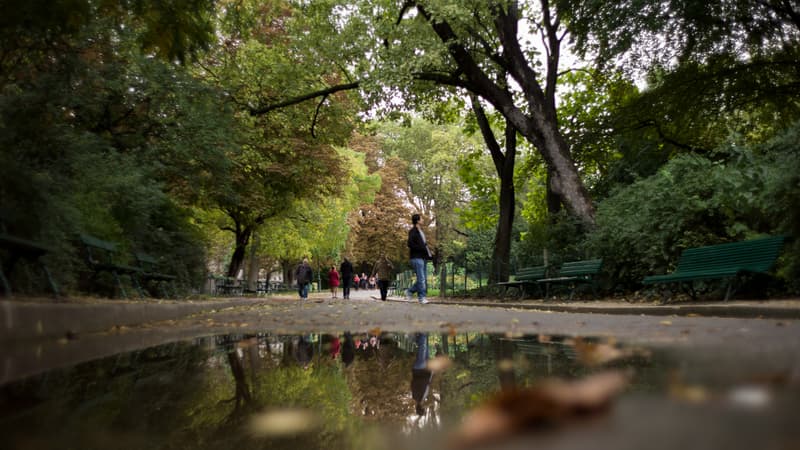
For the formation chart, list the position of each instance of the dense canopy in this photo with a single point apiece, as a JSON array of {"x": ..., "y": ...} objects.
[{"x": 235, "y": 138}]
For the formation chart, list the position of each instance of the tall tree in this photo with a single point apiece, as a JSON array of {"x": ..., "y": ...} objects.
[
  {"x": 431, "y": 153},
  {"x": 380, "y": 225},
  {"x": 281, "y": 158},
  {"x": 475, "y": 47}
]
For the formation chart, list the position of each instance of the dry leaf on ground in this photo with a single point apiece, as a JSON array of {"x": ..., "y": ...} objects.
[{"x": 556, "y": 401}]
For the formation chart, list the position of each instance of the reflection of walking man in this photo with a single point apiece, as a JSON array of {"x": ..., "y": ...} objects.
[
  {"x": 418, "y": 255},
  {"x": 420, "y": 375}
]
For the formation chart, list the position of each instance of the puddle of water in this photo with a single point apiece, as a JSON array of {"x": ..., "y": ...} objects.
[{"x": 379, "y": 390}]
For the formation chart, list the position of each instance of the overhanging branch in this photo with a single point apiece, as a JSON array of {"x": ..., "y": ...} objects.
[{"x": 302, "y": 98}]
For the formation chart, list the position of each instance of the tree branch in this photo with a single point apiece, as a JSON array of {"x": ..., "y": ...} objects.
[
  {"x": 257, "y": 111},
  {"x": 498, "y": 158}
]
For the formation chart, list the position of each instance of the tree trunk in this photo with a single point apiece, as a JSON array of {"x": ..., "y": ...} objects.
[
  {"x": 501, "y": 255},
  {"x": 552, "y": 199},
  {"x": 237, "y": 259},
  {"x": 252, "y": 267},
  {"x": 504, "y": 165}
]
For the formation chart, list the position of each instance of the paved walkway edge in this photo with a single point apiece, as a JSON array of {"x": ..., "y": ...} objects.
[
  {"x": 29, "y": 320},
  {"x": 20, "y": 320},
  {"x": 716, "y": 310}
]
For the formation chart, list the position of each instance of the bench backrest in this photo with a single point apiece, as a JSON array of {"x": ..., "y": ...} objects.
[
  {"x": 531, "y": 273},
  {"x": 98, "y": 250},
  {"x": 755, "y": 255},
  {"x": 146, "y": 261},
  {"x": 580, "y": 268}
]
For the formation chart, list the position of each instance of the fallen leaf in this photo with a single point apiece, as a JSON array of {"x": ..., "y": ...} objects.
[
  {"x": 750, "y": 396},
  {"x": 555, "y": 401},
  {"x": 665, "y": 322},
  {"x": 595, "y": 354}
]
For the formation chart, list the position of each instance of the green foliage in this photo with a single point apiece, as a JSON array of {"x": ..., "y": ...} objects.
[
  {"x": 694, "y": 201},
  {"x": 97, "y": 138},
  {"x": 435, "y": 188}
]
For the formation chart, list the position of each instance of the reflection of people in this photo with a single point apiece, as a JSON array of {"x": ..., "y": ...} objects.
[
  {"x": 418, "y": 255},
  {"x": 383, "y": 270},
  {"x": 346, "y": 272},
  {"x": 348, "y": 349},
  {"x": 303, "y": 352},
  {"x": 420, "y": 375},
  {"x": 303, "y": 274},
  {"x": 333, "y": 281},
  {"x": 335, "y": 345}
]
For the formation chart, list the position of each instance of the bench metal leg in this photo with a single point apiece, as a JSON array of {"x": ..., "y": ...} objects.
[
  {"x": 119, "y": 284},
  {"x": 730, "y": 290},
  {"x": 49, "y": 279},
  {"x": 136, "y": 285},
  {"x": 4, "y": 281}
]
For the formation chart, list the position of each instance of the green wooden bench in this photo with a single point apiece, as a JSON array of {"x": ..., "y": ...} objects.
[
  {"x": 14, "y": 248},
  {"x": 726, "y": 262},
  {"x": 103, "y": 256},
  {"x": 526, "y": 279},
  {"x": 150, "y": 274},
  {"x": 574, "y": 274}
]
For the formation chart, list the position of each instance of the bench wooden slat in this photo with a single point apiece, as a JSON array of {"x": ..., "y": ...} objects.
[
  {"x": 102, "y": 255},
  {"x": 723, "y": 261},
  {"x": 575, "y": 272},
  {"x": 149, "y": 267},
  {"x": 15, "y": 247},
  {"x": 524, "y": 278}
]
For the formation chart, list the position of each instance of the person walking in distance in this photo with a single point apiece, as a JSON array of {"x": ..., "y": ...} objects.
[
  {"x": 382, "y": 270},
  {"x": 346, "y": 274},
  {"x": 303, "y": 274},
  {"x": 419, "y": 254},
  {"x": 333, "y": 281}
]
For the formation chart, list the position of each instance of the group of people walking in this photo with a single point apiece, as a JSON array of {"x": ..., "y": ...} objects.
[{"x": 419, "y": 255}]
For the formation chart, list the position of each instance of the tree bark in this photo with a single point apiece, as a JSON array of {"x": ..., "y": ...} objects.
[
  {"x": 502, "y": 243},
  {"x": 242, "y": 235},
  {"x": 504, "y": 165},
  {"x": 252, "y": 267}
]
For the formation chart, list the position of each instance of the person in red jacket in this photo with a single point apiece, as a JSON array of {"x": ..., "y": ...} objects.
[{"x": 333, "y": 281}]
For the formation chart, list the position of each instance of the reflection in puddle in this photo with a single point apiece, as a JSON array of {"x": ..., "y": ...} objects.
[{"x": 367, "y": 390}]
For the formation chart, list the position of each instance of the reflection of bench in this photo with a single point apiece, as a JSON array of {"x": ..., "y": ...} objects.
[
  {"x": 150, "y": 273},
  {"x": 726, "y": 262},
  {"x": 573, "y": 274},
  {"x": 102, "y": 256},
  {"x": 525, "y": 279},
  {"x": 15, "y": 247}
]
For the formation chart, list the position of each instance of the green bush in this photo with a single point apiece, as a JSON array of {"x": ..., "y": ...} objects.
[{"x": 738, "y": 192}]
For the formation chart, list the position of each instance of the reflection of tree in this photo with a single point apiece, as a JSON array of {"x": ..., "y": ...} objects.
[
  {"x": 378, "y": 380},
  {"x": 242, "y": 395}
]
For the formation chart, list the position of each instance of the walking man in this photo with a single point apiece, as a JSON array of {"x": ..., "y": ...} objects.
[
  {"x": 418, "y": 255},
  {"x": 303, "y": 274},
  {"x": 346, "y": 273},
  {"x": 383, "y": 271}
]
